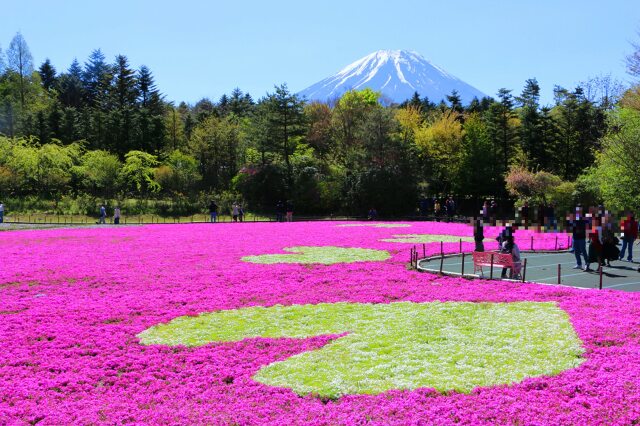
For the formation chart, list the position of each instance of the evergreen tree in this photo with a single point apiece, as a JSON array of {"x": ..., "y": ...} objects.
[
  {"x": 501, "y": 129},
  {"x": 96, "y": 78},
  {"x": 71, "y": 89},
  {"x": 455, "y": 102},
  {"x": 48, "y": 77},
  {"x": 285, "y": 117},
  {"x": 530, "y": 139}
]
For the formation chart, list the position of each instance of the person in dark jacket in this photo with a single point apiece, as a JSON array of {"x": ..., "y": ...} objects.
[
  {"x": 578, "y": 226},
  {"x": 478, "y": 234},
  {"x": 213, "y": 211}
]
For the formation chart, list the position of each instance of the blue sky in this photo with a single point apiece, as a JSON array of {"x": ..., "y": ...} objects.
[{"x": 206, "y": 48}]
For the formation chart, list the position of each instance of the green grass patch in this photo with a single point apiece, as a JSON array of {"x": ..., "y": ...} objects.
[
  {"x": 426, "y": 238},
  {"x": 447, "y": 346},
  {"x": 323, "y": 255}
]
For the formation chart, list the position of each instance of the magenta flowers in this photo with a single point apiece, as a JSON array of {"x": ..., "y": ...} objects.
[{"x": 73, "y": 301}]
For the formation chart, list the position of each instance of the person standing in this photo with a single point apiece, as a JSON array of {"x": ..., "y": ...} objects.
[
  {"x": 629, "y": 228},
  {"x": 485, "y": 211},
  {"x": 437, "y": 209},
  {"x": 279, "y": 211},
  {"x": 1, "y": 212},
  {"x": 213, "y": 211},
  {"x": 550, "y": 215},
  {"x": 289, "y": 211},
  {"x": 240, "y": 213},
  {"x": 116, "y": 216},
  {"x": 235, "y": 211},
  {"x": 372, "y": 214},
  {"x": 103, "y": 215},
  {"x": 478, "y": 234}
]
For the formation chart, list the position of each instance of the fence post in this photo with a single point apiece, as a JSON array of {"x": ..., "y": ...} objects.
[
  {"x": 424, "y": 250},
  {"x": 556, "y": 242},
  {"x": 441, "y": 248},
  {"x": 491, "y": 270},
  {"x": 460, "y": 245},
  {"x": 559, "y": 275},
  {"x": 462, "y": 271},
  {"x": 524, "y": 269},
  {"x": 411, "y": 255},
  {"x": 532, "y": 243},
  {"x": 568, "y": 242},
  {"x": 600, "y": 263},
  {"x": 441, "y": 262}
]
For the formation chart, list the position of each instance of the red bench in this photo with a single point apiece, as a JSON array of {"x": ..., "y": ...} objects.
[{"x": 500, "y": 260}]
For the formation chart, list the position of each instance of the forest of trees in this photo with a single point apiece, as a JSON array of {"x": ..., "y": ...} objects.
[{"x": 101, "y": 130}]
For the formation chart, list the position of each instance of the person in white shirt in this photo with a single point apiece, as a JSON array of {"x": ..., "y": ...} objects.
[{"x": 116, "y": 216}]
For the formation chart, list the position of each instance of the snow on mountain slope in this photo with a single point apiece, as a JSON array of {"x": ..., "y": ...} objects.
[{"x": 398, "y": 74}]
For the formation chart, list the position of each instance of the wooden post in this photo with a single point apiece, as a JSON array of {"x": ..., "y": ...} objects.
[
  {"x": 424, "y": 250},
  {"x": 460, "y": 245},
  {"x": 441, "y": 262},
  {"x": 556, "y": 242},
  {"x": 441, "y": 248},
  {"x": 491, "y": 271},
  {"x": 568, "y": 242},
  {"x": 559, "y": 275},
  {"x": 524, "y": 269},
  {"x": 532, "y": 243},
  {"x": 462, "y": 272},
  {"x": 411, "y": 256},
  {"x": 600, "y": 275}
]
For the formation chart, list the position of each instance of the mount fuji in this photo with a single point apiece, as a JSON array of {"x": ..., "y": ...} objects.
[{"x": 397, "y": 74}]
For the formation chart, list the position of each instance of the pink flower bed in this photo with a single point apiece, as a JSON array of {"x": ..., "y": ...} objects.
[{"x": 73, "y": 301}]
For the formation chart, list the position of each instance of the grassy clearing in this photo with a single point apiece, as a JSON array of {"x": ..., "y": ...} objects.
[
  {"x": 322, "y": 255},
  {"x": 447, "y": 346}
]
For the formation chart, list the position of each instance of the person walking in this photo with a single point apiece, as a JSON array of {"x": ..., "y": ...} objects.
[
  {"x": 116, "y": 216},
  {"x": 103, "y": 215},
  {"x": 289, "y": 211},
  {"x": 629, "y": 228},
  {"x": 213, "y": 211},
  {"x": 578, "y": 226},
  {"x": 1, "y": 212},
  {"x": 235, "y": 211},
  {"x": 478, "y": 234}
]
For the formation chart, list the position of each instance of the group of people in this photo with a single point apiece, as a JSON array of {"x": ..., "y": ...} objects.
[
  {"x": 445, "y": 208},
  {"x": 103, "y": 215},
  {"x": 284, "y": 211},
  {"x": 506, "y": 245},
  {"x": 545, "y": 216},
  {"x": 237, "y": 212},
  {"x": 598, "y": 227}
]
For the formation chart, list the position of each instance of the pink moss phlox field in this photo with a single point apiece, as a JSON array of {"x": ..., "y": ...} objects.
[{"x": 72, "y": 302}]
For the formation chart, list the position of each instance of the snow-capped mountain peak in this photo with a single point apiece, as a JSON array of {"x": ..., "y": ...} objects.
[{"x": 397, "y": 74}]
